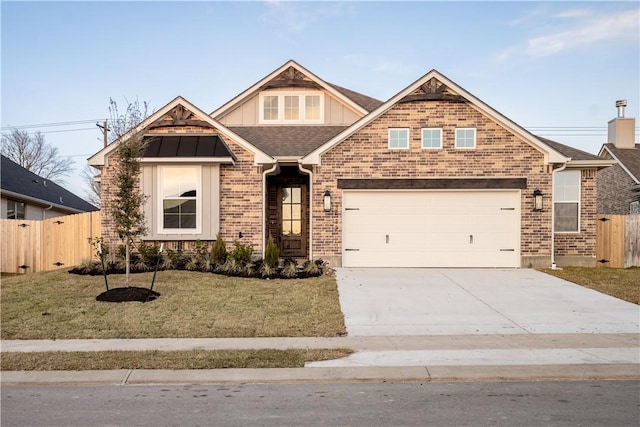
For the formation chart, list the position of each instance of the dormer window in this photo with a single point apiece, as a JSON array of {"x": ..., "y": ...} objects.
[{"x": 299, "y": 107}]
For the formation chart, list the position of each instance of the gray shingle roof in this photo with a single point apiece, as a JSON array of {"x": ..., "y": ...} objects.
[
  {"x": 16, "y": 179},
  {"x": 565, "y": 150},
  {"x": 366, "y": 102},
  {"x": 287, "y": 140},
  {"x": 630, "y": 158}
]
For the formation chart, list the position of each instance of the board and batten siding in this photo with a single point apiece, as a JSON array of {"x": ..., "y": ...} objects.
[
  {"x": 210, "y": 189},
  {"x": 247, "y": 114}
]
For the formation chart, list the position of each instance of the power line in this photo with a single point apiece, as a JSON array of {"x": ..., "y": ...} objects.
[{"x": 46, "y": 125}]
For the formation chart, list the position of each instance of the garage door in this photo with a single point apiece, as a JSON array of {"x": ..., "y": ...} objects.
[{"x": 431, "y": 229}]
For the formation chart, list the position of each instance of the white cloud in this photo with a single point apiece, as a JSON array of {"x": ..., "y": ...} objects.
[
  {"x": 588, "y": 29},
  {"x": 295, "y": 17},
  {"x": 621, "y": 26}
]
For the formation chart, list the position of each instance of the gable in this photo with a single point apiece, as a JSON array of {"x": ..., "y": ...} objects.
[
  {"x": 181, "y": 118},
  {"x": 291, "y": 76},
  {"x": 434, "y": 86}
]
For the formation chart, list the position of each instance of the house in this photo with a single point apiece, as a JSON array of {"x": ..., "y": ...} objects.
[
  {"x": 433, "y": 177},
  {"x": 26, "y": 195},
  {"x": 619, "y": 185}
]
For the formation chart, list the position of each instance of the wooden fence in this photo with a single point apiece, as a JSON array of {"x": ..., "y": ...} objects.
[
  {"x": 60, "y": 242},
  {"x": 618, "y": 241}
]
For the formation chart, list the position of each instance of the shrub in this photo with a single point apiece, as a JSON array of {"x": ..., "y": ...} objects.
[
  {"x": 174, "y": 260},
  {"x": 219, "y": 251},
  {"x": 241, "y": 254},
  {"x": 271, "y": 254},
  {"x": 311, "y": 268},
  {"x": 149, "y": 254},
  {"x": 290, "y": 269},
  {"x": 201, "y": 252}
]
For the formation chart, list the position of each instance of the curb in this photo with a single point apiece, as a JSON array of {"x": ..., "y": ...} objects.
[{"x": 124, "y": 377}]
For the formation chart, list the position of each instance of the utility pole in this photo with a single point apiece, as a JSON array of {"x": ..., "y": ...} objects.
[{"x": 105, "y": 129}]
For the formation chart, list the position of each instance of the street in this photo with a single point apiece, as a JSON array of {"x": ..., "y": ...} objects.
[{"x": 584, "y": 403}]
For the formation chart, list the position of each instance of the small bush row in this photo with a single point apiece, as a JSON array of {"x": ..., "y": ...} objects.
[{"x": 237, "y": 262}]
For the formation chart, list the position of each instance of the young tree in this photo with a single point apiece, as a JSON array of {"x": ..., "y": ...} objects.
[
  {"x": 33, "y": 153},
  {"x": 127, "y": 207}
]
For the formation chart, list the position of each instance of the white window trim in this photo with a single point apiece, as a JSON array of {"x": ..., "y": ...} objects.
[
  {"x": 389, "y": 139},
  {"x": 474, "y": 139},
  {"x": 439, "y": 147},
  {"x": 301, "y": 104},
  {"x": 579, "y": 202},
  {"x": 160, "y": 204}
]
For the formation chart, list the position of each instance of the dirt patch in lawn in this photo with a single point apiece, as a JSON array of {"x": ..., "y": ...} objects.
[{"x": 128, "y": 294}]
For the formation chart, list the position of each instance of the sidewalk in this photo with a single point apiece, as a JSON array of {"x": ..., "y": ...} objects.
[{"x": 377, "y": 358}]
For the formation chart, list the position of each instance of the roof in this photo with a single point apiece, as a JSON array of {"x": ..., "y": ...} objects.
[
  {"x": 17, "y": 181},
  {"x": 568, "y": 151},
  {"x": 628, "y": 158},
  {"x": 186, "y": 146},
  {"x": 282, "y": 141},
  {"x": 366, "y": 102}
]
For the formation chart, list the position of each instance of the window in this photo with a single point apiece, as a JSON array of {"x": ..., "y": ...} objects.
[
  {"x": 15, "y": 209},
  {"x": 292, "y": 107},
  {"x": 634, "y": 208},
  {"x": 270, "y": 108},
  {"x": 566, "y": 202},
  {"x": 465, "y": 138},
  {"x": 291, "y": 211},
  {"x": 398, "y": 138},
  {"x": 180, "y": 199},
  {"x": 312, "y": 107},
  {"x": 431, "y": 138}
]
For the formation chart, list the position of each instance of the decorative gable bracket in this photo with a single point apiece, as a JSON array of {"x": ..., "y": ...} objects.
[
  {"x": 179, "y": 116},
  {"x": 291, "y": 77},
  {"x": 433, "y": 90}
]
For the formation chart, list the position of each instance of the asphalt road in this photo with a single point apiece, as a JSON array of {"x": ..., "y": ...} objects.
[{"x": 585, "y": 403}]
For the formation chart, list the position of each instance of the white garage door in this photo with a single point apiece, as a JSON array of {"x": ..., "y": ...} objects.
[{"x": 431, "y": 229}]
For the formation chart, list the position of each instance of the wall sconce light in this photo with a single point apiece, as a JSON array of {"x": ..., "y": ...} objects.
[
  {"x": 326, "y": 201},
  {"x": 537, "y": 200}
]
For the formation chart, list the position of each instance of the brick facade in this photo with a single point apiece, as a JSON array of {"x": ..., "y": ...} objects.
[{"x": 498, "y": 153}]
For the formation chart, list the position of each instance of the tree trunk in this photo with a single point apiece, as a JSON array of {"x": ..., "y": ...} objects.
[{"x": 127, "y": 260}]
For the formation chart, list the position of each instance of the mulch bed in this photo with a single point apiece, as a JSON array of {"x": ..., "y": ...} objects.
[{"x": 128, "y": 294}]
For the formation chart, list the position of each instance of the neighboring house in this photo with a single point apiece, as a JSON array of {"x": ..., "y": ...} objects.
[
  {"x": 26, "y": 195},
  {"x": 619, "y": 185},
  {"x": 433, "y": 177}
]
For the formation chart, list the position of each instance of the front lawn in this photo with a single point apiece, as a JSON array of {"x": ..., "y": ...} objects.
[
  {"x": 59, "y": 305},
  {"x": 617, "y": 282}
]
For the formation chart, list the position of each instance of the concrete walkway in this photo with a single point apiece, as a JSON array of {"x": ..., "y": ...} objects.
[{"x": 416, "y": 325}]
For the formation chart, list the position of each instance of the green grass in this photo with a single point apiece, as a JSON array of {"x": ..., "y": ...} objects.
[
  {"x": 617, "y": 282},
  {"x": 195, "y": 359},
  {"x": 59, "y": 305}
]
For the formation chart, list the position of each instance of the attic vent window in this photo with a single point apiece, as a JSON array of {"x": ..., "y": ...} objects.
[{"x": 291, "y": 107}]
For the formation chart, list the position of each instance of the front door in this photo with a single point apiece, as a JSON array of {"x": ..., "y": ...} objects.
[
  {"x": 287, "y": 220},
  {"x": 292, "y": 221}
]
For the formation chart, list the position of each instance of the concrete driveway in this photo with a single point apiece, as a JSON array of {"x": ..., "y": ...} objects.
[{"x": 390, "y": 301}]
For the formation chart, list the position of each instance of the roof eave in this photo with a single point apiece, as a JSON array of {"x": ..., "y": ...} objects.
[
  {"x": 582, "y": 164},
  {"x": 41, "y": 202}
]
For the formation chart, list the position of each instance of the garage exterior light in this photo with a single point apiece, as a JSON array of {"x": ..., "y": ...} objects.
[
  {"x": 537, "y": 200},
  {"x": 326, "y": 201}
]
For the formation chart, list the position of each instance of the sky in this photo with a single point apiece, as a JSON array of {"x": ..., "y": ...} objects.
[{"x": 555, "y": 68}]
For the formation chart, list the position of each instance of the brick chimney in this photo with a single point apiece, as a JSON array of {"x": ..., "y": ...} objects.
[{"x": 622, "y": 130}]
